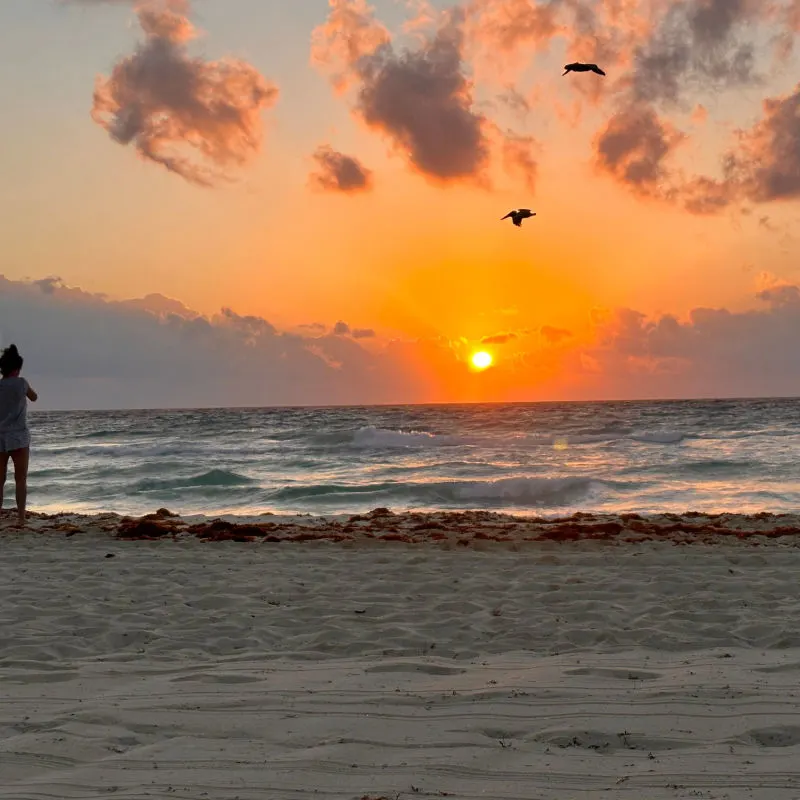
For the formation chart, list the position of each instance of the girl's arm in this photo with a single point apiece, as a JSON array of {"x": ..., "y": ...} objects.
[{"x": 30, "y": 394}]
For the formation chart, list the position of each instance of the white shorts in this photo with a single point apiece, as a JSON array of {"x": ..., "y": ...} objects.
[{"x": 14, "y": 440}]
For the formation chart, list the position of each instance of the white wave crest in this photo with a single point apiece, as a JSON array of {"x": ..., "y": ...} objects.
[
  {"x": 371, "y": 437},
  {"x": 528, "y": 491}
]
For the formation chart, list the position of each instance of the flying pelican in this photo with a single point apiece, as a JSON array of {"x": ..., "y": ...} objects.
[
  {"x": 578, "y": 67},
  {"x": 519, "y": 215}
]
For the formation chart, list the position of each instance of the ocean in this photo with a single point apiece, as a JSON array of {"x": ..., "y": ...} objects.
[{"x": 544, "y": 459}]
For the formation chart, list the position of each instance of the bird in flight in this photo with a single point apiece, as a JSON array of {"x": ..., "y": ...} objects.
[
  {"x": 578, "y": 67},
  {"x": 519, "y": 215}
]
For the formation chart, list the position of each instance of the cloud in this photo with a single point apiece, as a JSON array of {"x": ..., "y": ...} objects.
[
  {"x": 515, "y": 24},
  {"x": 197, "y": 118},
  {"x": 83, "y": 350},
  {"x": 761, "y": 166},
  {"x": 775, "y": 291},
  {"x": 706, "y": 43},
  {"x": 515, "y": 100},
  {"x": 50, "y": 284},
  {"x": 697, "y": 40},
  {"x": 423, "y": 102},
  {"x": 346, "y": 40},
  {"x": 713, "y": 353},
  {"x": 601, "y": 31},
  {"x": 160, "y": 305},
  {"x": 781, "y": 296},
  {"x": 634, "y": 147},
  {"x": 343, "y": 329},
  {"x": 766, "y": 161},
  {"x": 499, "y": 338},
  {"x": 519, "y": 157},
  {"x": 314, "y": 327},
  {"x": 420, "y": 100},
  {"x": 555, "y": 335},
  {"x": 337, "y": 172}
]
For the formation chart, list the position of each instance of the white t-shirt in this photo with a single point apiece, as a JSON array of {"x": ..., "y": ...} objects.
[{"x": 13, "y": 405}]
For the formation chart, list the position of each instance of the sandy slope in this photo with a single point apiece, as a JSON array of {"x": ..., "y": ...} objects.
[{"x": 178, "y": 669}]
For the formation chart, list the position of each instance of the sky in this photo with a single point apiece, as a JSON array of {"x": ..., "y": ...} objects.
[{"x": 262, "y": 202}]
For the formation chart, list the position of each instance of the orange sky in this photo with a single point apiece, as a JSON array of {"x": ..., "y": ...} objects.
[{"x": 411, "y": 256}]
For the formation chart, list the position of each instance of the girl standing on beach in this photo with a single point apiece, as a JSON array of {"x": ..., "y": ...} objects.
[{"x": 15, "y": 438}]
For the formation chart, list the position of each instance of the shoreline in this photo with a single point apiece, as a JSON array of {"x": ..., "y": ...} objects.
[{"x": 443, "y": 528}]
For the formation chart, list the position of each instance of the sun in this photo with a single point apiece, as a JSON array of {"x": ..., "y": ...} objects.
[{"x": 482, "y": 360}]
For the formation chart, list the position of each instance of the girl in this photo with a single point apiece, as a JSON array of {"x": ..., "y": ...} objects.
[{"x": 15, "y": 438}]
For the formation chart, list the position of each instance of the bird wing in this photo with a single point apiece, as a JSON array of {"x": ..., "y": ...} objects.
[
  {"x": 510, "y": 214},
  {"x": 597, "y": 69}
]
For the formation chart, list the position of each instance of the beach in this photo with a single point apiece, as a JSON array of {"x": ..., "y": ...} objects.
[
  {"x": 400, "y": 655},
  {"x": 391, "y": 410}
]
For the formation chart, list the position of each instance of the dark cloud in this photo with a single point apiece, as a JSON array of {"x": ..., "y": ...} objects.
[
  {"x": 713, "y": 353},
  {"x": 762, "y": 166},
  {"x": 85, "y": 351},
  {"x": 697, "y": 40},
  {"x": 767, "y": 160},
  {"x": 781, "y": 296},
  {"x": 196, "y": 118},
  {"x": 708, "y": 42},
  {"x": 50, "y": 284},
  {"x": 337, "y": 172},
  {"x": 421, "y": 100},
  {"x": 341, "y": 329},
  {"x": 634, "y": 147}
]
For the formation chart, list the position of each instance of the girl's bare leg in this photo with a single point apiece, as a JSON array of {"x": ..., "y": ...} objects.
[{"x": 21, "y": 458}]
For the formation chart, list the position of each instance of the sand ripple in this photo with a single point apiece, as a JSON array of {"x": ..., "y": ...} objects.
[
  {"x": 178, "y": 669},
  {"x": 63, "y": 599}
]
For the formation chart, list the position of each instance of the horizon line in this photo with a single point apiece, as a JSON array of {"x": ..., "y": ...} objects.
[{"x": 459, "y": 404}]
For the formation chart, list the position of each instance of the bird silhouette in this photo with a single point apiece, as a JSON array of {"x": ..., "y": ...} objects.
[
  {"x": 518, "y": 215},
  {"x": 578, "y": 67}
]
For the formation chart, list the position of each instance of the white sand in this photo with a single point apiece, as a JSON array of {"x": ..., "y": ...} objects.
[{"x": 178, "y": 669}]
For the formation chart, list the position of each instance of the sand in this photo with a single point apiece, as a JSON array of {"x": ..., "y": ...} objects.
[{"x": 342, "y": 668}]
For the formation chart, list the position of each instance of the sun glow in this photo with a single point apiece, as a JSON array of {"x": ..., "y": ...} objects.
[{"x": 482, "y": 360}]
